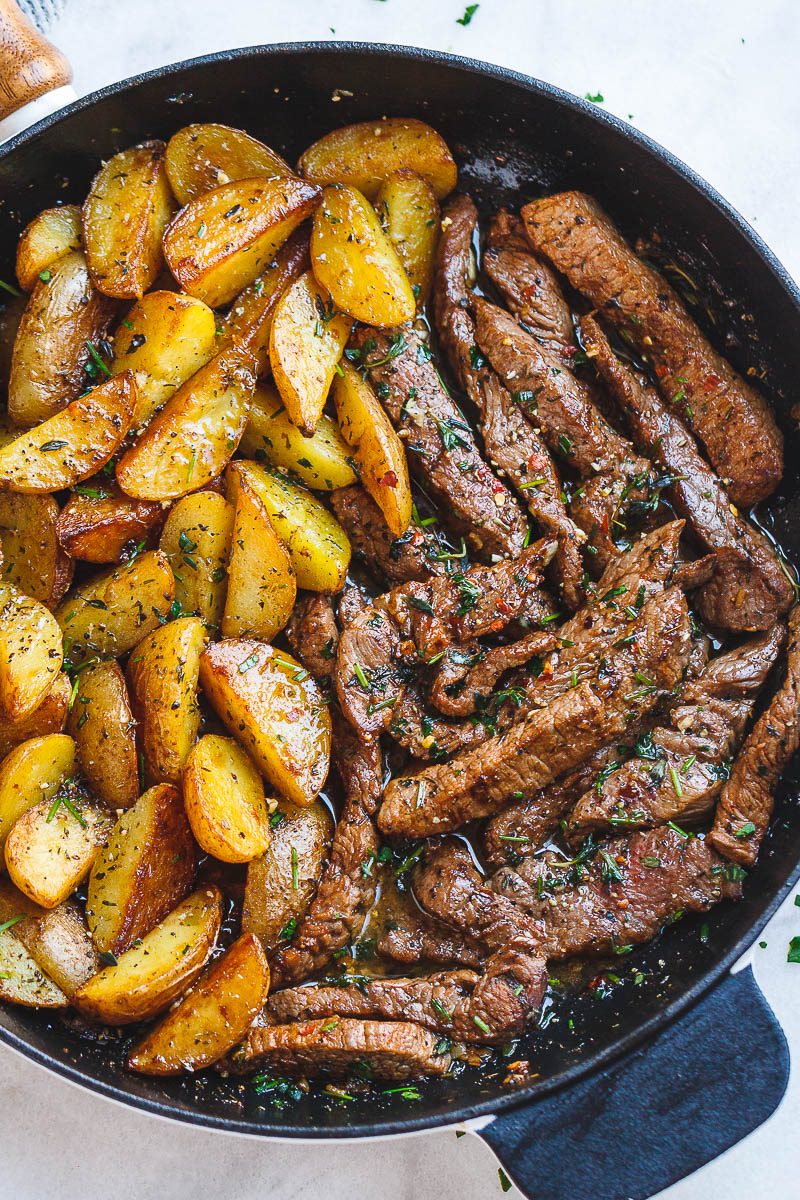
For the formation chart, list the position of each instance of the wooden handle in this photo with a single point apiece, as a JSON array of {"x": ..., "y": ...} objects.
[{"x": 29, "y": 65}]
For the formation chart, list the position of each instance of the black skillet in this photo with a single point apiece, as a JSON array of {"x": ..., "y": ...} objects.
[{"x": 660, "y": 1072}]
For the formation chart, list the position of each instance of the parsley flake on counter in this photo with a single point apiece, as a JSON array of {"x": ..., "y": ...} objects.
[{"x": 469, "y": 13}]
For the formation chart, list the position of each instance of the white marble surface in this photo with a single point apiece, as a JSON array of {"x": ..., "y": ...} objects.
[{"x": 717, "y": 83}]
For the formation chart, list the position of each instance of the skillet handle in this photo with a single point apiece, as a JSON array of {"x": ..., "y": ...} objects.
[
  {"x": 31, "y": 68},
  {"x": 664, "y": 1110}
]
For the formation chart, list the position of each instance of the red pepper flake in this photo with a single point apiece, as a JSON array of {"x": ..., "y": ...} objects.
[
  {"x": 711, "y": 381},
  {"x": 389, "y": 480}
]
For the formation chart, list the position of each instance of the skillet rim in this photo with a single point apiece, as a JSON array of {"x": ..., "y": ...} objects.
[{"x": 602, "y": 1058}]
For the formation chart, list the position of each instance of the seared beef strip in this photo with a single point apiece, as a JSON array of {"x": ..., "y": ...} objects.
[
  {"x": 731, "y": 419},
  {"x": 466, "y": 679},
  {"x": 336, "y": 1047},
  {"x": 749, "y": 589},
  {"x": 747, "y": 800},
  {"x": 678, "y": 769},
  {"x": 535, "y": 750},
  {"x": 430, "y": 941},
  {"x": 441, "y": 448},
  {"x": 313, "y": 634},
  {"x": 416, "y": 555},
  {"x": 512, "y": 443}
]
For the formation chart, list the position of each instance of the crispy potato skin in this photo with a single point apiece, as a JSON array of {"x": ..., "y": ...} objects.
[
  {"x": 365, "y": 154},
  {"x": 147, "y": 868},
  {"x": 59, "y": 942},
  {"x": 196, "y": 540},
  {"x": 31, "y": 772},
  {"x": 124, "y": 217},
  {"x": 271, "y": 899},
  {"x": 31, "y": 653},
  {"x": 322, "y": 462},
  {"x": 224, "y": 798},
  {"x": 21, "y": 979},
  {"x": 206, "y": 156},
  {"x": 223, "y": 240},
  {"x": 33, "y": 559},
  {"x": 355, "y": 261},
  {"x": 50, "y": 351},
  {"x": 100, "y": 528},
  {"x": 149, "y": 976},
  {"x": 102, "y": 726},
  {"x": 410, "y": 213},
  {"x": 261, "y": 583},
  {"x": 275, "y": 710},
  {"x": 49, "y": 854},
  {"x": 49, "y": 716},
  {"x": 48, "y": 238}
]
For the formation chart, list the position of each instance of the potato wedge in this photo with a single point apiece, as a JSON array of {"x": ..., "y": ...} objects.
[
  {"x": 202, "y": 157},
  {"x": 31, "y": 653},
  {"x": 282, "y": 882},
  {"x": 353, "y": 258},
  {"x": 306, "y": 341},
  {"x": 100, "y": 524},
  {"x": 102, "y": 725},
  {"x": 223, "y": 240},
  {"x": 224, "y": 799},
  {"x": 21, "y": 980},
  {"x": 261, "y": 583},
  {"x": 49, "y": 716},
  {"x": 149, "y": 976},
  {"x": 162, "y": 674},
  {"x": 49, "y": 237},
  {"x": 165, "y": 339},
  {"x": 196, "y": 539},
  {"x": 64, "y": 315},
  {"x": 410, "y": 213},
  {"x": 366, "y": 154},
  {"x": 33, "y": 560},
  {"x": 212, "y": 1018},
  {"x": 322, "y": 462},
  {"x": 148, "y": 866},
  {"x": 59, "y": 942},
  {"x": 33, "y": 772},
  {"x": 196, "y": 433},
  {"x": 249, "y": 319},
  {"x": 124, "y": 217},
  {"x": 377, "y": 449},
  {"x": 11, "y": 311},
  {"x": 74, "y": 443},
  {"x": 52, "y": 846},
  {"x": 275, "y": 710},
  {"x": 317, "y": 544},
  {"x": 110, "y": 614}
]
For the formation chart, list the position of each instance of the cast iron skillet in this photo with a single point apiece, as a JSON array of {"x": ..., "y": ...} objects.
[{"x": 632, "y": 1098}]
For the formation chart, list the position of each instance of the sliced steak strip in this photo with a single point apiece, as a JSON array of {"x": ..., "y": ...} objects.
[
  {"x": 549, "y": 741},
  {"x": 747, "y": 800},
  {"x": 679, "y": 769},
  {"x": 336, "y": 1047},
  {"x": 731, "y": 419},
  {"x": 466, "y": 680},
  {"x": 313, "y": 634},
  {"x": 416, "y": 555},
  {"x": 512, "y": 443},
  {"x": 441, "y": 449},
  {"x": 749, "y": 590},
  {"x": 430, "y": 941}
]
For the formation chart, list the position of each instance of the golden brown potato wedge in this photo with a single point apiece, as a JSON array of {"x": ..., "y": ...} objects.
[
  {"x": 249, "y": 319},
  {"x": 317, "y": 544},
  {"x": 32, "y": 772},
  {"x": 281, "y": 884},
  {"x": 49, "y": 237},
  {"x": 74, "y": 443},
  {"x": 63, "y": 317},
  {"x": 100, "y": 524},
  {"x": 31, "y": 653},
  {"x": 323, "y": 462},
  {"x": 110, "y": 614},
  {"x": 202, "y": 157},
  {"x": 275, "y": 710},
  {"x": 162, "y": 674},
  {"x": 410, "y": 213},
  {"x": 191, "y": 440},
  {"x": 124, "y": 217},
  {"x": 306, "y": 341},
  {"x": 52, "y": 846},
  {"x": 149, "y": 976},
  {"x": 261, "y": 583},
  {"x": 196, "y": 539},
  {"x": 223, "y": 240},
  {"x": 148, "y": 867},
  {"x": 21, "y": 980},
  {"x": 165, "y": 339},
  {"x": 377, "y": 449},
  {"x": 224, "y": 799},
  {"x": 212, "y": 1018},
  {"x": 33, "y": 560},
  {"x": 102, "y": 726},
  {"x": 49, "y": 716},
  {"x": 356, "y": 262},
  {"x": 59, "y": 942},
  {"x": 366, "y": 154}
]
